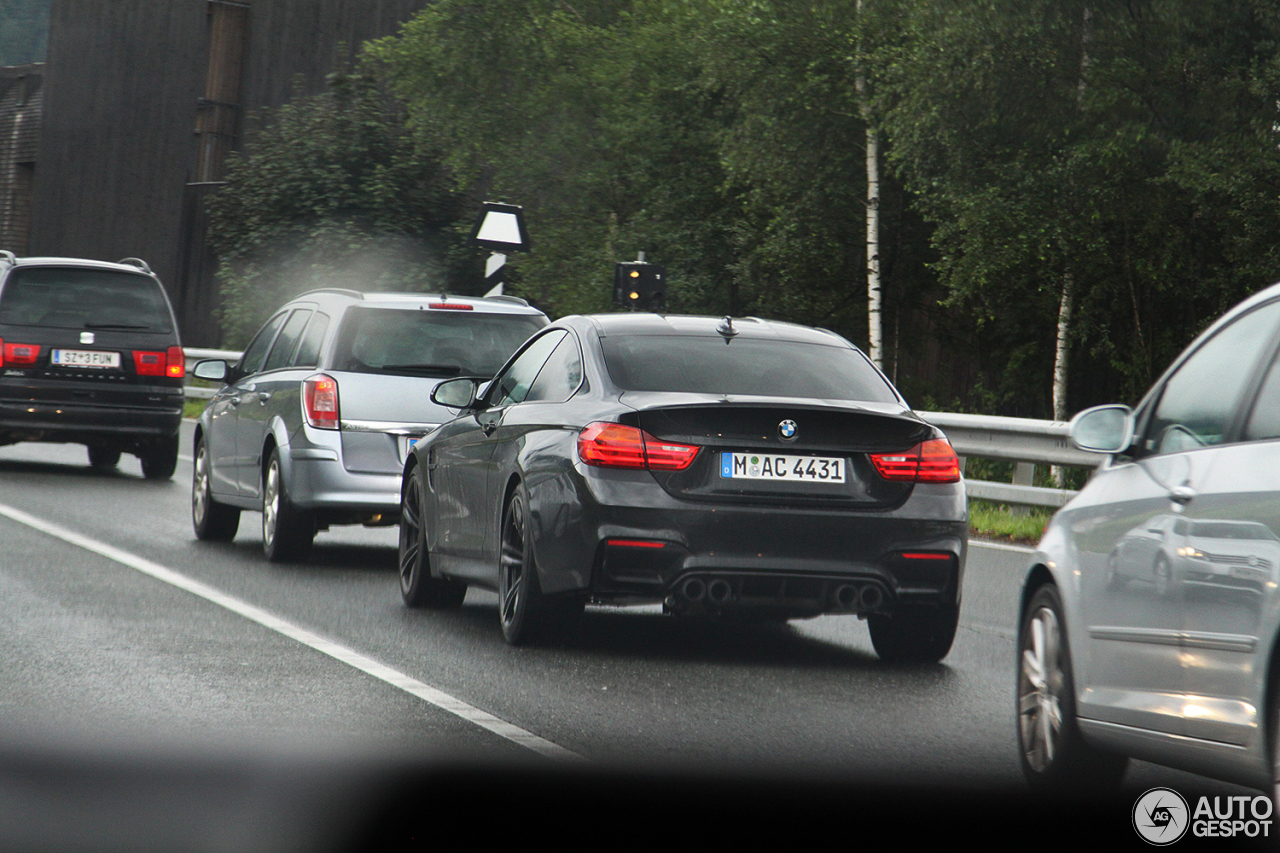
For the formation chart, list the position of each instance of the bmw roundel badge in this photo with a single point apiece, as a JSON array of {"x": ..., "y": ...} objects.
[{"x": 787, "y": 430}]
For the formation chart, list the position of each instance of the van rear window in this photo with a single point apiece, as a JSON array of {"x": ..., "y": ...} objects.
[{"x": 84, "y": 299}]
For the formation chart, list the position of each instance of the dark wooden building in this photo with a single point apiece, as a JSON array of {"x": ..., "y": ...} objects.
[
  {"x": 21, "y": 99},
  {"x": 142, "y": 101}
]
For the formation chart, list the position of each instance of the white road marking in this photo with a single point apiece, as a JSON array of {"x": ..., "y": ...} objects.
[
  {"x": 381, "y": 671},
  {"x": 1001, "y": 546}
]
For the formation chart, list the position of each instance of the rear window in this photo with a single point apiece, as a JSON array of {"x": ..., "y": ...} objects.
[
  {"x": 763, "y": 367},
  {"x": 430, "y": 343},
  {"x": 84, "y": 299}
]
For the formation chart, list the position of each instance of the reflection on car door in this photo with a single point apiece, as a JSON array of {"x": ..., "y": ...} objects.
[
  {"x": 227, "y": 450},
  {"x": 461, "y": 470},
  {"x": 1151, "y": 660},
  {"x": 1231, "y": 574},
  {"x": 257, "y": 404}
]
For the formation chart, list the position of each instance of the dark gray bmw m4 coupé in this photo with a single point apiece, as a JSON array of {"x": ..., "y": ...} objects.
[{"x": 732, "y": 468}]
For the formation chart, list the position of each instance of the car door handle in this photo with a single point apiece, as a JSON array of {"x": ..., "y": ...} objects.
[
  {"x": 1182, "y": 495},
  {"x": 263, "y": 398}
]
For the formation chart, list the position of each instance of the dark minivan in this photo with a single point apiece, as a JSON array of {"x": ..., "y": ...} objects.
[{"x": 89, "y": 354}]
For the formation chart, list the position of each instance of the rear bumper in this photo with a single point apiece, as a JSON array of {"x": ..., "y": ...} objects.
[
  {"x": 319, "y": 481},
  {"x": 125, "y": 425},
  {"x": 640, "y": 543}
]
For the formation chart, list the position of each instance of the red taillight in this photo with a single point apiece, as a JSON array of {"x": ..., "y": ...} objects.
[
  {"x": 320, "y": 401},
  {"x": 18, "y": 354},
  {"x": 618, "y": 446},
  {"x": 634, "y": 543},
  {"x": 175, "y": 363},
  {"x": 932, "y": 461},
  {"x": 148, "y": 363},
  {"x": 452, "y": 306}
]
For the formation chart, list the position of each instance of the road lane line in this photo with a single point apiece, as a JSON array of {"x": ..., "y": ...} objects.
[
  {"x": 1001, "y": 546},
  {"x": 368, "y": 665}
]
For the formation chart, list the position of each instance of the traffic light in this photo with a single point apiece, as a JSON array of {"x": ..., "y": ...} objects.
[{"x": 640, "y": 286}]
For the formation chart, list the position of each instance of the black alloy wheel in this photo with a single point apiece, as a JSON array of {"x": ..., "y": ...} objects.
[
  {"x": 520, "y": 602},
  {"x": 1054, "y": 755},
  {"x": 914, "y": 634},
  {"x": 103, "y": 458},
  {"x": 160, "y": 460},
  {"x": 287, "y": 532},
  {"x": 213, "y": 522},
  {"x": 417, "y": 587}
]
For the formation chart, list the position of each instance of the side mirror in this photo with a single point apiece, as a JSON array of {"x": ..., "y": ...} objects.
[
  {"x": 214, "y": 370},
  {"x": 1103, "y": 429},
  {"x": 459, "y": 393}
]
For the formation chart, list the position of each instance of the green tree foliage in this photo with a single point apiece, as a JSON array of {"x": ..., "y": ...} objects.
[
  {"x": 333, "y": 192},
  {"x": 584, "y": 113},
  {"x": 1129, "y": 146}
]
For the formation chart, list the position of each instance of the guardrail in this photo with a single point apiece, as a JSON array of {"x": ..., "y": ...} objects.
[{"x": 1023, "y": 441}]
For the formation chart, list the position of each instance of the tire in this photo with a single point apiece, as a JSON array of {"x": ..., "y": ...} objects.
[
  {"x": 522, "y": 610},
  {"x": 1162, "y": 575},
  {"x": 1054, "y": 756},
  {"x": 417, "y": 587},
  {"x": 287, "y": 532},
  {"x": 914, "y": 634},
  {"x": 103, "y": 458},
  {"x": 213, "y": 522},
  {"x": 1114, "y": 579},
  {"x": 161, "y": 459}
]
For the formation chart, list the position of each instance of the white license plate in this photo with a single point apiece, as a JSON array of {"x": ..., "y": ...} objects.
[
  {"x": 759, "y": 466},
  {"x": 86, "y": 358}
]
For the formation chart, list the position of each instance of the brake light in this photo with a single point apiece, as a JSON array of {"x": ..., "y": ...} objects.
[
  {"x": 18, "y": 354},
  {"x": 932, "y": 461},
  {"x": 175, "y": 363},
  {"x": 148, "y": 363},
  {"x": 452, "y": 306},
  {"x": 617, "y": 446},
  {"x": 320, "y": 401}
]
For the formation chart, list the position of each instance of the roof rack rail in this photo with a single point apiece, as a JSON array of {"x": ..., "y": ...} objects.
[
  {"x": 136, "y": 262},
  {"x": 341, "y": 291},
  {"x": 8, "y": 257},
  {"x": 502, "y": 297}
]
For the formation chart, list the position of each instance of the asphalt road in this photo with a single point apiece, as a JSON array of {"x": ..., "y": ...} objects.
[{"x": 128, "y": 646}]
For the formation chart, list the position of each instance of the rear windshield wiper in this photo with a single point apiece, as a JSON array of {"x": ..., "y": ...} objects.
[{"x": 121, "y": 326}]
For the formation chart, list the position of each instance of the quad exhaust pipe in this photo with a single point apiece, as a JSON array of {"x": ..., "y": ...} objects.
[{"x": 718, "y": 592}]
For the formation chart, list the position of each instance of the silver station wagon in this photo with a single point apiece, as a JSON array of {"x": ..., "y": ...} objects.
[
  {"x": 313, "y": 425},
  {"x": 1150, "y": 611}
]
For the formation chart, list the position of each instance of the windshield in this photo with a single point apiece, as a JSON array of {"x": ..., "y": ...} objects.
[
  {"x": 84, "y": 299},
  {"x": 430, "y": 343},
  {"x": 764, "y": 367}
]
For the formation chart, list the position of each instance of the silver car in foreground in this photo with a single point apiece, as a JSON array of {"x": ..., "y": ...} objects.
[
  {"x": 313, "y": 424},
  {"x": 1149, "y": 613}
]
